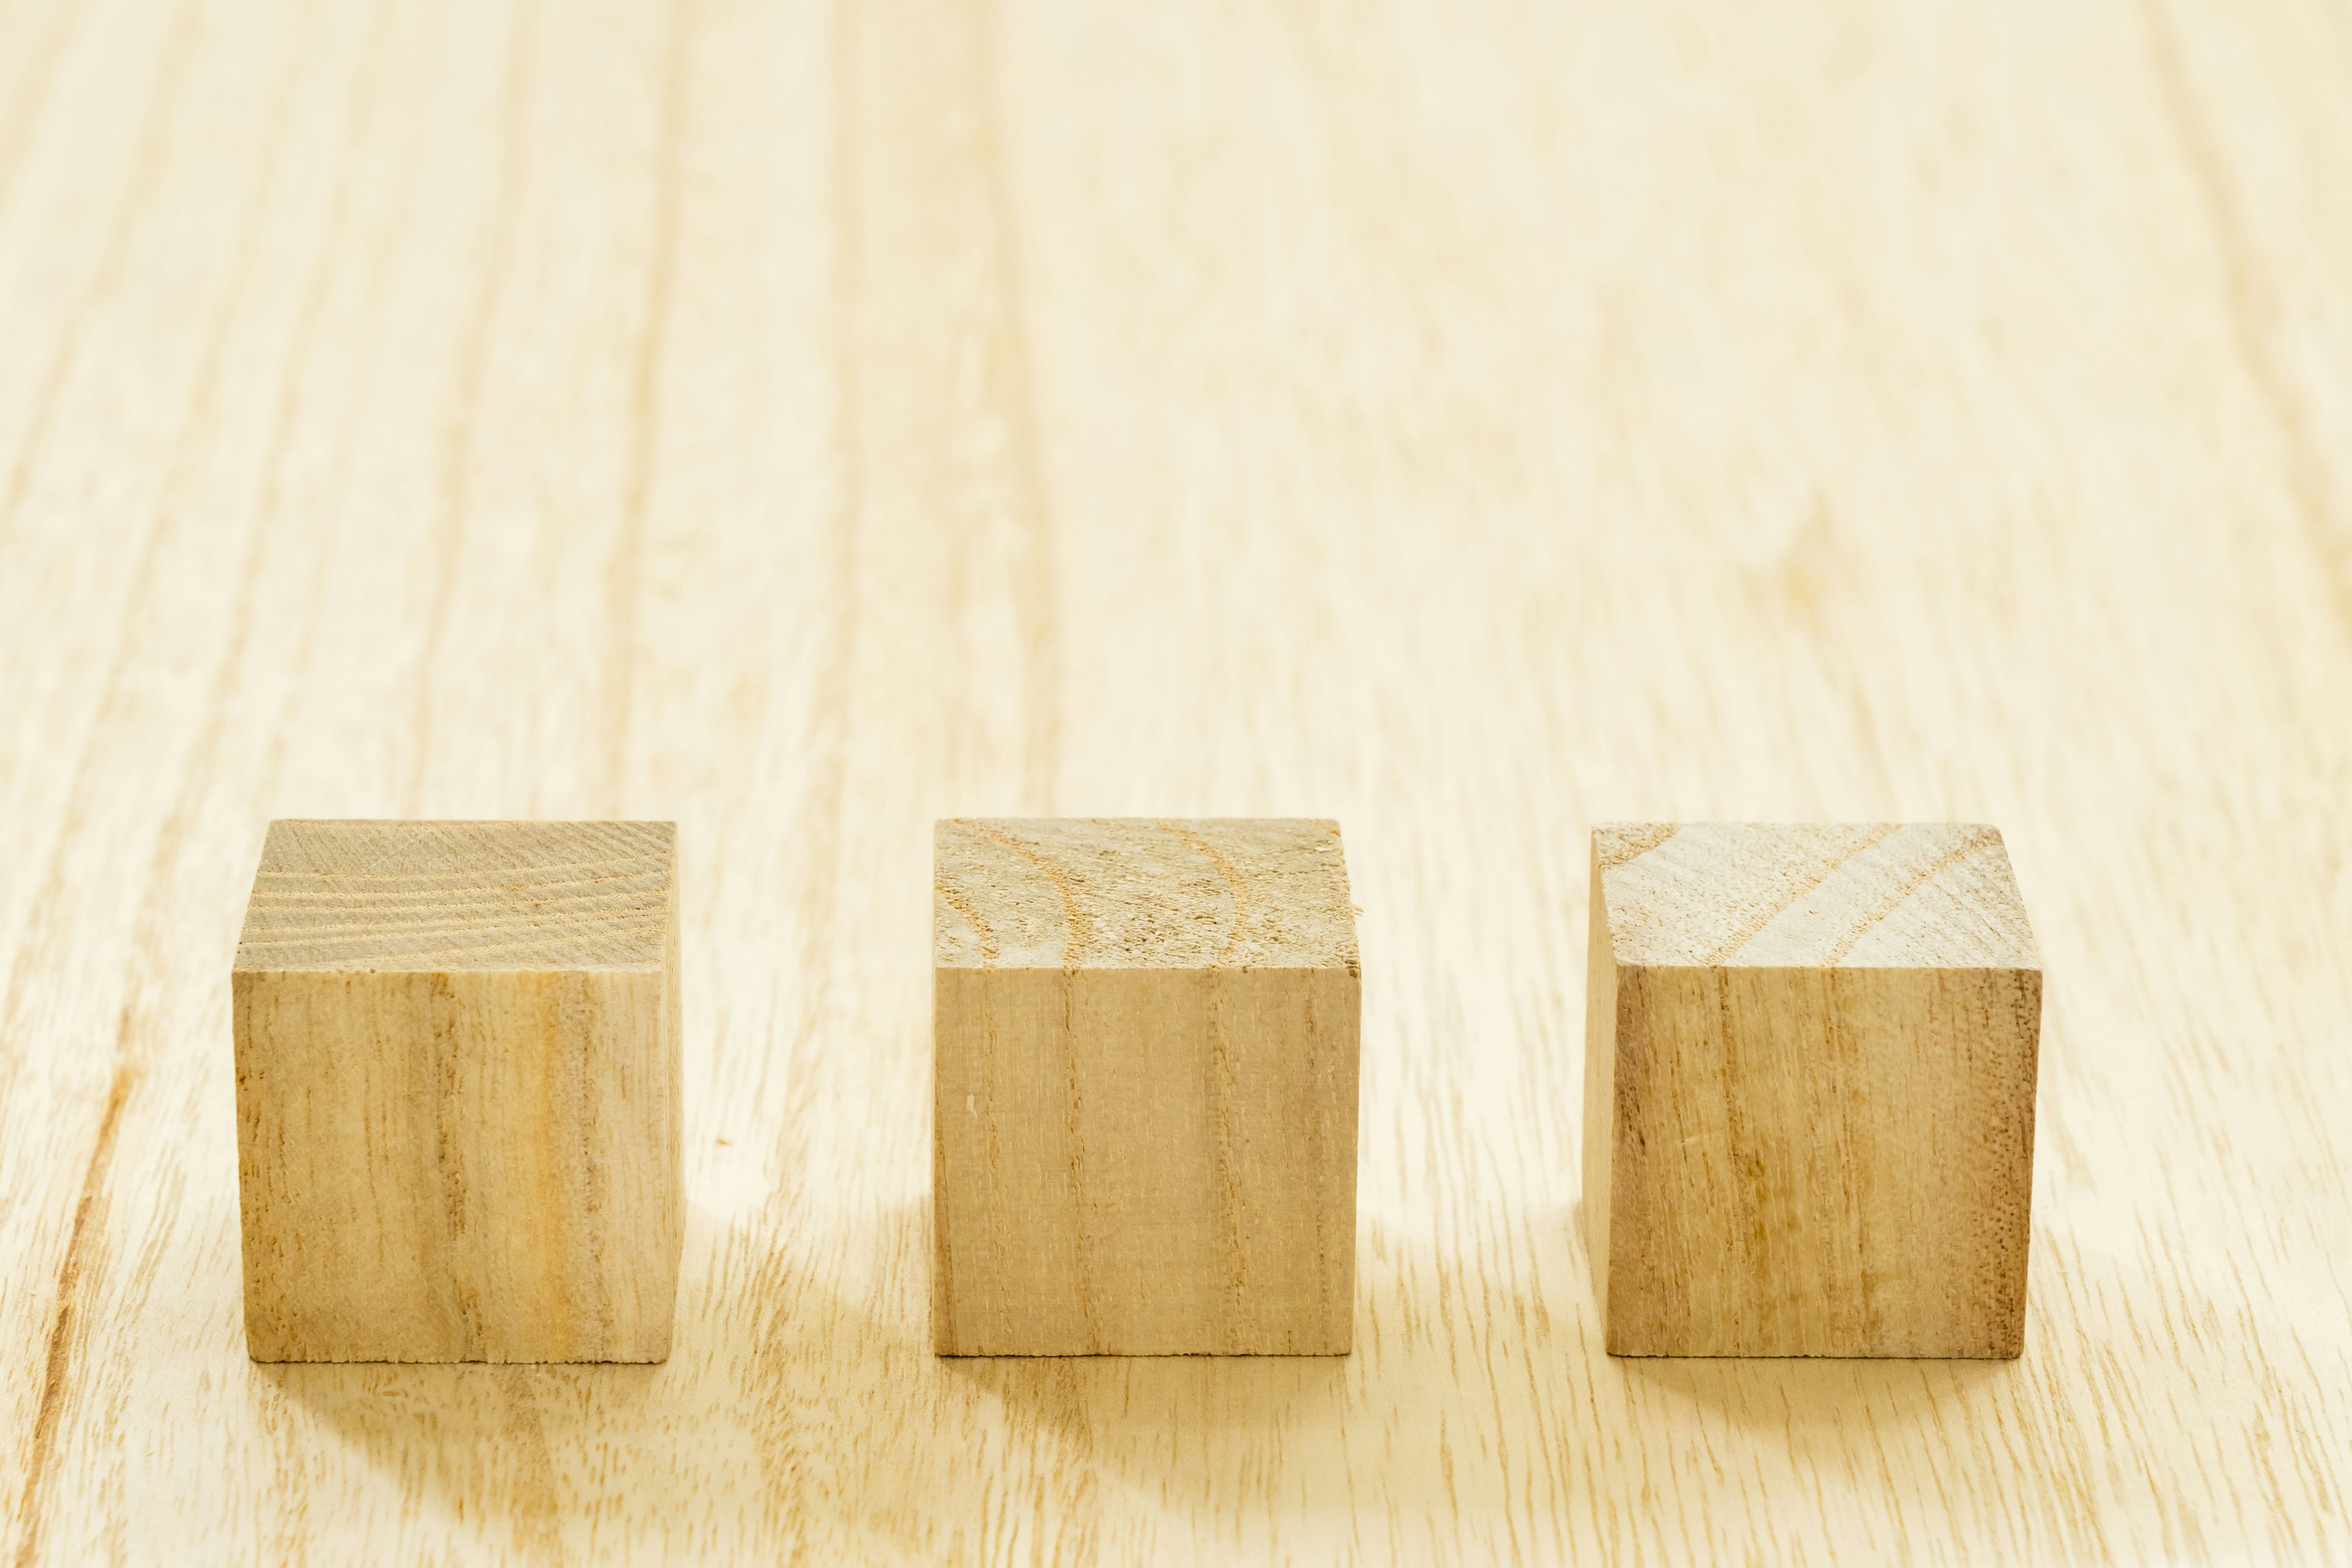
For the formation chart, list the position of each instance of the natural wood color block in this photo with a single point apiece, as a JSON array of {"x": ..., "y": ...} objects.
[
  {"x": 1809, "y": 1090},
  {"x": 458, "y": 1092},
  {"x": 1145, "y": 1119}
]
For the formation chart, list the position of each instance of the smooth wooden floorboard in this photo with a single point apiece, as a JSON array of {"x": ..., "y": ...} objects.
[{"x": 1466, "y": 423}]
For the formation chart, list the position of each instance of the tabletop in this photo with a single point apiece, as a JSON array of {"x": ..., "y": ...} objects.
[{"x": 1465, "y": 422}]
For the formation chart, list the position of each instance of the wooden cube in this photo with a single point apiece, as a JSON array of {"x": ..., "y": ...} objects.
[
  {"x": 458, "y": 1092},
  {"x": 1145, "y": 1114},
  {"x": 1809, "y": 1090}
]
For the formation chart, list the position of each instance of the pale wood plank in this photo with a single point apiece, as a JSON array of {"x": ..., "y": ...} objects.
[{"x": 1470, "y": 421}]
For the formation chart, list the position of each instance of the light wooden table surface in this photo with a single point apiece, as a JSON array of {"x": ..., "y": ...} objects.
[{"x": 1468, "y": 422}]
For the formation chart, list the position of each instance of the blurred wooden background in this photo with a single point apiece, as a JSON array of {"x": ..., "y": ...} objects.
[{"x": 1467, "y": 421}]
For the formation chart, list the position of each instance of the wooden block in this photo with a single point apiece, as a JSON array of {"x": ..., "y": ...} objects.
[
  {"x": 1145, "y": 1114},
  {"x": 458, "y": 1092},
  {"x": 1809, "y": 1090}
]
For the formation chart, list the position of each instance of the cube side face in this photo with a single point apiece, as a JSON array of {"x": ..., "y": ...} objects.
[
  {"x": 1822, "y": 1161},
  {"x": 478, "y": 1166},
  {"x": 1144, "y": 1161}
]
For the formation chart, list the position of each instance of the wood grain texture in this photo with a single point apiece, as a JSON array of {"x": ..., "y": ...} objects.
[
  {"x": 1469, "y": 422},
  {"x": 1810, "y": 1056},
  {"x": 458, "y": 1108},
  {"x": 1146, "y": 1046}
]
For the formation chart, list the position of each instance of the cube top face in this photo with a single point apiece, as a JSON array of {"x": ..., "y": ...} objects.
[
  {"x": 1811, "y": 1058},
  {"x": 1812, "y": 895},
  {"x": 1147, "y": 1038},
  {"x": 1141, "y": 893},
  {"x": 412, "y": 896},
  {"x": 457, "y": 1090}
]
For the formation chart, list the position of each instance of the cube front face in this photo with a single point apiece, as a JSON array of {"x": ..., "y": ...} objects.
[
  {"x": 1141, "y": 1148},
  {"x": 457, "y": 1093},
  {"x": 1808, "y": 1155}
]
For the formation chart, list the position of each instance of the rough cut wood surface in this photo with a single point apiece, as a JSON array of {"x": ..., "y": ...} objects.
[
  {"x": 1146, "y": 1058},
  {"x": 458, "y": 1109},
  {"x": 1810, "y": 1056},
  {"x": 1469, "y": 422}
]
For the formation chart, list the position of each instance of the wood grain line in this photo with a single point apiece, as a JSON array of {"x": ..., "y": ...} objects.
[
  {"x": 604, "y": 918},
  {"x": 1748, "y": 930},
  {"x": 81, "y": 1242},
  {"x": 346, "y": 441},
  {"x": 830, "y": 723},
  {"x": 314, "y": 892},
  {"x": 26, "y": 109},
  {"x": 138, "y": 186},
  {"x": 2251, "y": 306},
  {"x": 963, "y": 906},
  {"x": 1082, "y": 1251},
  {"x": 1226, "y": 1103},
  {"x": 1037, "y": 589},
  {"x": 521, "y": 876},
  {"x": 621, "y": 868},
  {"x": 457, "y": 434},
  {"x": 1209, "y": 852},
  {"x": 617, "y": 892},
  {"x": 1080, "y": 925},
  {"x": 1225, "y": 1090},
  {"x": 1895, "y": 900},
  {"x": 832, "y": 719},
  {"x": 1638, "y": 846},
  {"x": 623, "y": 584}
]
